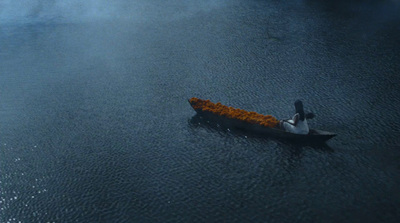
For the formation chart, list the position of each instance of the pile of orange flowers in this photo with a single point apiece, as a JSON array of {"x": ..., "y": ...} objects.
[{"x": 234, "y": 113}]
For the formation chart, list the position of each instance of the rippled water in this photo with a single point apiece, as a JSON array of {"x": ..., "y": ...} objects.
[{"x": 95, "y": 124}]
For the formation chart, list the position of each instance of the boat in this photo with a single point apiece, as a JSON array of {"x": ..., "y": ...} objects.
[{"x": 314, "y": 135}]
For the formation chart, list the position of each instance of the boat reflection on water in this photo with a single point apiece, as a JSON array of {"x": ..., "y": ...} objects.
[{"x": 222, "y": 127}]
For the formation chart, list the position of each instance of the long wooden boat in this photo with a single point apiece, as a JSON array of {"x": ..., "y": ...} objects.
[{"x": 314, "y": 136}]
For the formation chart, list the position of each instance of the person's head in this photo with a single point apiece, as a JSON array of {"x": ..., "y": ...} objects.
[{"x": 299, "y": 109}]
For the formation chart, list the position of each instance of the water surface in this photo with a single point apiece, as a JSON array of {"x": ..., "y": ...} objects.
[{"x": 95, "y": 124}]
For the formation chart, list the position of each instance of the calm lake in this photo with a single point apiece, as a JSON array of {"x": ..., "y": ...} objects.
[{"x": 95, "y": 125}]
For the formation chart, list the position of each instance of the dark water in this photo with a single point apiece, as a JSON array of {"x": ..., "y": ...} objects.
[{"x": 95, "y": 124}]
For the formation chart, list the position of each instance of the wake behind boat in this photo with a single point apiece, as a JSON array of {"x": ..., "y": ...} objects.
[{"x": 253, "y": 122}]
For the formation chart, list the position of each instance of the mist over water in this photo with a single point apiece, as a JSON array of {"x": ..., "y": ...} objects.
[
  {"x": 43, "y": 11},
  {"x": 95, "y": 125}
]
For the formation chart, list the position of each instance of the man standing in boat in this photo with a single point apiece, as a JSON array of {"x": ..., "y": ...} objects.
[{"x": 298, "y": 124}]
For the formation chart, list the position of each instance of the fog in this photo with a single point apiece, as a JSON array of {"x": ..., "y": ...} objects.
[
  {"x": 39, "y": 11},
  {"x": 372, "y": 14},
  {"x": 42, "y": 11}
]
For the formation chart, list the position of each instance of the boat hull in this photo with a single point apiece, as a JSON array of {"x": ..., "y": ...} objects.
[{"x": 315, "y": 136}]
